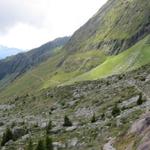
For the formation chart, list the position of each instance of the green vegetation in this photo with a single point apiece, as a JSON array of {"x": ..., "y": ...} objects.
[
  {"x": 16, "y": 65},
  {"x": 7, "y": 136},
  {"x": 131, "y": 59},
  {"x": 93, "y": 119},
  {"x": 114, "y": 25},
  {"x": 49, "y": 127},
  {"x": 47, "y": 74},
  {"x": 140, "y": 100},
  {"x": 111, "y": 43},
  {"x": 40, "y": 145},
  {"x": 67, "y": 122},
  {"x": 116, "y": 111},
  {"x": 45, "y": 144},
  {"x": 87, "y": 55},
  {"x": 30, "y": 145},
  {"x": 48, "y": 143}
]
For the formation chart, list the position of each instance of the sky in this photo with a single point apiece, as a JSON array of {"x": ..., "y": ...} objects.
[{"x": 26, "y": 24}]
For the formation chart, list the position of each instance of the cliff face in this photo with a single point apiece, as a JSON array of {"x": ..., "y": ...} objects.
[{"x": 115, "y": 27}]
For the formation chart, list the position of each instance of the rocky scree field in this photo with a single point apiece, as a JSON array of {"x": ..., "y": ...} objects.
[{"x": 102, "y": 114}]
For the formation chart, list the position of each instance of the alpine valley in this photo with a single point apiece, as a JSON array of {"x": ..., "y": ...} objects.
[{"x": 90, "y": 91}]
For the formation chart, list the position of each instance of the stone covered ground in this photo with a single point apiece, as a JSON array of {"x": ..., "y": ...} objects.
[{"x": 119, "y": 105}]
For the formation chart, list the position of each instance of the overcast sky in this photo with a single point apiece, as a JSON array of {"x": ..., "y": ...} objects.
[{"x": 26, "y": 24}]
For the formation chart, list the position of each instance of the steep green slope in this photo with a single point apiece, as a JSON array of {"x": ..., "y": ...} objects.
[
  {"x": 52, "y": 72},
  {"x": 118, "y": 25},
  {"x": 77, "y": 67},
  {"x": 86, "y": 56},
  {"x": 131, "y": 59},
  {"x": 12, "y": 67}
]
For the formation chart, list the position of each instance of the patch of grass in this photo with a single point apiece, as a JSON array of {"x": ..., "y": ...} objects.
[{"x": 131, "y": 59}]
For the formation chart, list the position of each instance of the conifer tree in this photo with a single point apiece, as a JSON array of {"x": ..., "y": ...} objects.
[
  {"x": 7, "y": 136},
  {"x": 40, "y": 145},
  {"x": 67, "y": 122},
  {"x": 48, "y": 143},
  {"x": 49, "y": 127},
  {"x": 30, "y": 145}
]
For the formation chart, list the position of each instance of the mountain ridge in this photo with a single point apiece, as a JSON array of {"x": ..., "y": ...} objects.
[
  {"x": 6, "y": 52},
  {"x": 14, "y": 66},
  {"x": 106, "y": 20}
]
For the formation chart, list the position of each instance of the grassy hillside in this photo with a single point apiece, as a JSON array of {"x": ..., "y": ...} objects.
[
  {"x": 111, "y": 29},
  {"x": 64, "y": 69},
  {"x": 131, "y": 59},
  {"x": 56, "y": 70},
  {"x": 14, "y": 66},
  {"x": 86, "y": 56}
]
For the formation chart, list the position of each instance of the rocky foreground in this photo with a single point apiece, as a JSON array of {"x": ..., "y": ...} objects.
[{"x": 107, "y": 114}]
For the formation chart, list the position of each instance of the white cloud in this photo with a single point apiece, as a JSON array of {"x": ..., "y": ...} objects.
[
  {"x": 30, "y": 23},
  {"x": 24, "y": 11}
]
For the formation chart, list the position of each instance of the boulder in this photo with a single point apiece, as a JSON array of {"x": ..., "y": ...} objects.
[
  {"x": 19, "y": 132},
  {"x": 69, "y": 129},
  {"x": 58, "y": 145},
  {"x": 144, "y": 146},
  {"x": 56, "y": 130},
  {"x": 140, "y": 125},
  {"x": 72, "y": 143}
]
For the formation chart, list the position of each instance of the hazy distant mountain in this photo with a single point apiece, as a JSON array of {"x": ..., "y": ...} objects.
[
  {"x": 5, "y": 51},
  {"x": 14, "y": 66}
]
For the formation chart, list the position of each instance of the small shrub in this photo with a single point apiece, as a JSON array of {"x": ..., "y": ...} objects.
[
  {"x": 7, "y": 136},
  {"x": 116, "y": 111},
  {"x": 30, "y": 145},
  {"x": 48, "y": 143},
  {"x": 93, "y": 119},
  {"x": 102, "y": 116},
  {"x": 49, "y": 127},
  {"x": 67, "y": 122},
  {"x": 40, "y": 145},
  {"x": 140, "y": 100}
]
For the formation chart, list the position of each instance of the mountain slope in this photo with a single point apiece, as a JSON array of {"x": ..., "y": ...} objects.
[
  {"x": 131, "y": 59},
  {"x": 33, "y": 112},
  {"x": 52, "y": 72},
  {"x": 5, "y": 51},
  {"x": 86, "y": 56},
  {"x": 115, "y": 27},
  {"x": 14, "y": 66},
  {"x": 114, "y": 43}
]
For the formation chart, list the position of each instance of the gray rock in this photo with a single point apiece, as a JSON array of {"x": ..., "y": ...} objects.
[
  {"x": 42, "y": 125},
  {"x": 25, "y": 137},
  {"x": 69, "y": 129},
  {"x": 72, "y": 143},
  {"x": 129, "y": 102},
  {"x": 84, "y": 112},
  {"x": 109, "y": 145},
  {"x": 9, "y": 143},
  {"x": 140, "y": 125},
  {"x": 56, "y": 130},
  {"x": 72, "y": 103},
  {"x": 58, "y": 145},
  {"x": 19, "y": 132},
  {"x": 6, "y": 107}
]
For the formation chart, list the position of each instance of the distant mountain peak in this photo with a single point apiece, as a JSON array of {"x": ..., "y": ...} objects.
[{"x": 6, "y": 51}]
